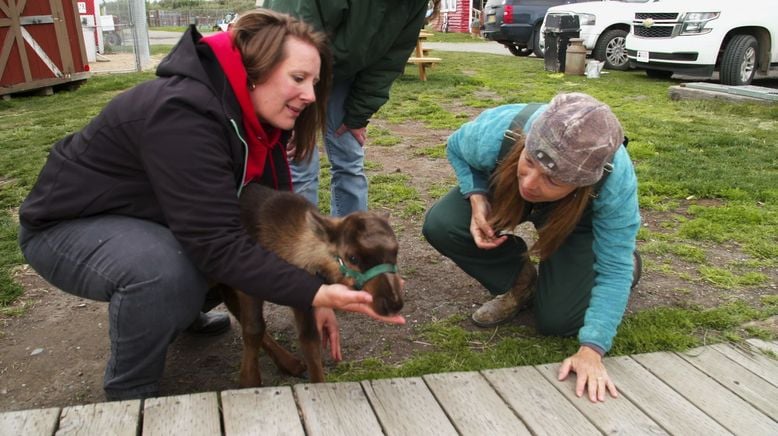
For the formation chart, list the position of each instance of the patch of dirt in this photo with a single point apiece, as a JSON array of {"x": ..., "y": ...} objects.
[
  {"x": 120, "y": 62},
  {"x": 54, "y": 354}
]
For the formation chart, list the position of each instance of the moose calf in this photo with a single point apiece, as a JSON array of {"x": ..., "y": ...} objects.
[{"x": 359, "y": 251}]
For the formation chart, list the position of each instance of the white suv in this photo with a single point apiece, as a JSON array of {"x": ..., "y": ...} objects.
[
  {"x": 696, "y": 37},
  {"x": 604, "y": 26}
]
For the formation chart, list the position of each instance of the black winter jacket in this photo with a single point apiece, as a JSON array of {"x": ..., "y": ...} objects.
[{"x": 171, "y": 150}]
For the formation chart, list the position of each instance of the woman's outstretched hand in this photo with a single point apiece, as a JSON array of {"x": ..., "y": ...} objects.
[
  {"x": 590, "y": 372},
  {"x": 482, "y": 232},
  {"x": 341, "y": 297}
]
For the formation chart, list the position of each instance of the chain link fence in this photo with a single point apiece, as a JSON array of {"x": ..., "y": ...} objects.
[{"x": 117, "y": 37}]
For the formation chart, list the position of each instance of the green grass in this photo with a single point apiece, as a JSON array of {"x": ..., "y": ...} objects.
[
  {"x": 451, "y": 347},
  {"x": 382, "y": 137},
  {"x": 708, "y": 175},
  {"x": 435, "y": 152}
]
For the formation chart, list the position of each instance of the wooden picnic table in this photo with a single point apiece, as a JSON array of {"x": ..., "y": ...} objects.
[
  {"x": 711, "y": 390},
  {"x": 421, "y": 58}
]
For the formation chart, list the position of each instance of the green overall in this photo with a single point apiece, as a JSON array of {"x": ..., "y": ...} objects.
[{"x": 565, "y": 279}]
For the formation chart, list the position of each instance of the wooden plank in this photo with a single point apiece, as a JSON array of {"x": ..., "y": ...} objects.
[
  {"x": 29, "y": 422},
  {"x": 618, "y": 416},
  {"x": 116, "y": 418},
  {"x": 5, "y": 52},
  {"x": 664, "y": 405},
  {"x": 758, "y": 92},
  {"x": 679, "y": 92},
  {"x": 264, "y": 410},
  {"x": 63, "y": 40},
  {"x": 532, "y": 397},
  {"x": 196, "y": 414},
  {"x": 473, "y": 406},
  {"x": 764, "y": 345},
  {"x": 17, "y": 33},
  {"x": 4, "y": 7},
  {"x": 755, "y": 362},
  {"x": 405, "y": 406},
  {"x": 336, "y": 409},
  {"x": 423, "y": 60},
  {"x": 728, "y": 409},
  {"x": 736, "y": 378}
]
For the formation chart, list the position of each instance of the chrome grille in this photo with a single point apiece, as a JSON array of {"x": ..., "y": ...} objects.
[
  {"x": 652, "y": 32},
  {"x": 656, "y": 15}
]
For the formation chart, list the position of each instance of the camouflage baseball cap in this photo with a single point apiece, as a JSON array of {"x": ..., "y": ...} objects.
[{"x": 574, "y": 138}]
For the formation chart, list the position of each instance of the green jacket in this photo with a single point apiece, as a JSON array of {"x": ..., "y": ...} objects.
[{"x": 371, "y": 41}]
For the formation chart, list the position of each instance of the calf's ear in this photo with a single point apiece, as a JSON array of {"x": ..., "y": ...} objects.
[{"x": 324, "y": 227}]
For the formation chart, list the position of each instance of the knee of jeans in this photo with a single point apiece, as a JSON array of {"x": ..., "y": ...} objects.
[{"x": 554, "y": 325}]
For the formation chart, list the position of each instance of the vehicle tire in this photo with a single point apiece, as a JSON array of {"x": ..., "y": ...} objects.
[
  {"x": 518, "y": 51},
  {"x": 610, "y": 48},
  {"x": 659, "y": 74},
  {"x": 738, "y": 65},
  {"x": 539, "y": 52},
  {"x": 113, "y": 39}
]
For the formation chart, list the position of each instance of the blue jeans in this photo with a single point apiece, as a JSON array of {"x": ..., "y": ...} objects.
[
  {"x": 152, "y": 288},
  {"x": 347, "y": 157}
]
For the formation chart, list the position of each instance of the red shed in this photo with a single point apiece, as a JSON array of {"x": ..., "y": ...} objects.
[
  {"x": 41, "y": 45},
  {"x": 457, "y": 15}
]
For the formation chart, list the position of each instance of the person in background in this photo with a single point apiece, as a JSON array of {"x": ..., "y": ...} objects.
[
  {"x": 140, "y": 207},
  {"x": 571, "y": 177},
  {"x": 371, "y": 41}
]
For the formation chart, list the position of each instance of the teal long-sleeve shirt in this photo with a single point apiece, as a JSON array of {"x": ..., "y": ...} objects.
[{"x": 472, "y": 151}]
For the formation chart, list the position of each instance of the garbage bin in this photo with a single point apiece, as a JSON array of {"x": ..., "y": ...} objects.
[{"x": 559, "y": 29}]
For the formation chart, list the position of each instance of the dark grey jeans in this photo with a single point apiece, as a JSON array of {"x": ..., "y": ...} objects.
[{"x": 153, "y": 289}]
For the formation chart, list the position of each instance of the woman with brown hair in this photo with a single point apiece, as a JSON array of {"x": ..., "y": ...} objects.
[
  {"x": 140, "y": 207},
  {"x": 572, "y": 178}
]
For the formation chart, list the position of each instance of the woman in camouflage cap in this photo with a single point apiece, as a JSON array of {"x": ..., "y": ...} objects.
[{"x": 572, "y": 178}]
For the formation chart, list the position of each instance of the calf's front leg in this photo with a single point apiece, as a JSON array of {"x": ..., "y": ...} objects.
[
  {"x": 310, "y": 344},
  {"x": 252, "y": 323}
]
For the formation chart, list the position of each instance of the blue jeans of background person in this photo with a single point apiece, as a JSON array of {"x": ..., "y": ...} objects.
[
  {"x": 153, "y": 289},
  {"x": 347, "y": 157}
]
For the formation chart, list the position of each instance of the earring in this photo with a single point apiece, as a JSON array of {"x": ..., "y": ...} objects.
[{"x": 252, "y": 86}]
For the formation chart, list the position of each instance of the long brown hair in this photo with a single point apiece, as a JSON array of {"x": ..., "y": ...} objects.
[
  {"x": 260, "y": 36},
  {"x": 508, "y": 208}
]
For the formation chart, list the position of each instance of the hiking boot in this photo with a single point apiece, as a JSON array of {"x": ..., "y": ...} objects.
[
  {"x": 504, "y": 307},
  {"x": 209, "y": 324}
]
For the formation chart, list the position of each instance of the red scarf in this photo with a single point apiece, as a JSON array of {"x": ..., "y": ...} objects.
[{"x": 260, "y": 143}]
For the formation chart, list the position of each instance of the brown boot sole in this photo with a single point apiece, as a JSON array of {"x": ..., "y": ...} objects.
[{"x": 486, "y": 325}]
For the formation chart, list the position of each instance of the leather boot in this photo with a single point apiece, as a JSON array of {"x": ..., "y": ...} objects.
[
  {"x": 504, "y": 307},
  {"x": 210, "y": 323}
]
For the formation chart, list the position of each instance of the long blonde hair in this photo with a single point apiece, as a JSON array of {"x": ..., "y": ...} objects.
[
  {"x": 260, "y": 36},
  {"x": 508, "y": 208}
]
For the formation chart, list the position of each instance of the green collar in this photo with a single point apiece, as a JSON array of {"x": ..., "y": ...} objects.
[{"x": 364, "y": 277}]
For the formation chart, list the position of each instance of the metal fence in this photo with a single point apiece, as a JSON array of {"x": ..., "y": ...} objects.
[
  {"x": 202, "y": 18},
  {"x": 117, "y": 39}
]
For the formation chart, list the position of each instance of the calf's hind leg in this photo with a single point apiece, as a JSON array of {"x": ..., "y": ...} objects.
[{"x": 283, "y": 359}]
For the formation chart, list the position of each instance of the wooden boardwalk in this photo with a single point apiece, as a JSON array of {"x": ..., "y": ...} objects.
[{"x": 712, "y": 390}]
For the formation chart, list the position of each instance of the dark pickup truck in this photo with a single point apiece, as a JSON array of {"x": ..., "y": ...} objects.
[{"x": 516, "y": 23}]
